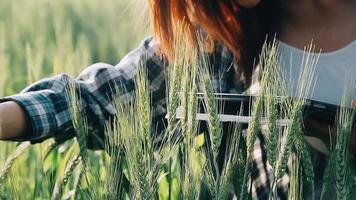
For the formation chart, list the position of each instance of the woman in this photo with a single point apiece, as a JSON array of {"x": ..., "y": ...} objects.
[{"x": 235, "y": 30}]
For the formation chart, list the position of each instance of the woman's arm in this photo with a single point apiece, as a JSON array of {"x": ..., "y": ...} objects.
[
  {"x": 13, "y": 121},
  {"x": 48, "y": 107}
]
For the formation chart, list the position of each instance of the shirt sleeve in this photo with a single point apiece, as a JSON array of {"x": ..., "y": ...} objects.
[{"x": 48, "y": 107}]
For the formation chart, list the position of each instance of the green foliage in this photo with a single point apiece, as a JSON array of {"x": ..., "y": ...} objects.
[
  {"x": 39, "y": 38},
  {"x": 50, "y": 37},
  {"x": 296, "y": 182},
  {"x": 42, "y": 37}
]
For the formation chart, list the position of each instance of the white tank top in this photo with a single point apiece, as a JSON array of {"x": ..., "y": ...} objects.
[{"x": 332, "y": 73}]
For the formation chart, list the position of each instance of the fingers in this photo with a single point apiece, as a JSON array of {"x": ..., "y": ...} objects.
[
  {"x": 325, "y": 132},
  {"x": 353, "y": 103}
]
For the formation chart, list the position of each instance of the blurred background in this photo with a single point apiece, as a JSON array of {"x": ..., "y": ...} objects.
[{"x": 40, "y": 38}]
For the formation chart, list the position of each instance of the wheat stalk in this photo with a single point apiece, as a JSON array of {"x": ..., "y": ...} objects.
[
  {"x": 296, "y": 181},
  {"x": 213, "y": 124},
  {"x": 252, "y": 131},
  {"x": 342, "y": 152},
  {"x": 113, "y": 187},
  {"x": 213, "y": 119},
  {"x": 132, "y": 141},
  {"x": 295, "y": 112},
  {"x": 272, "y": 138},
  {"x": 305, "y": 159},
  {"x": 11, "y": 161},
  {"x": 328, "y": 178},
  {"x": 232, "y": 155},
  {"x": 49, "y": 148},
  {"x": 79, "y": 119},
  {"x": 76, "y": 159},
  {"x": 144, "y": 104},
  {"x": 337, "y": 173},
  {"x": 71, "y": 166},
  {"x": 287, "y": 142},
  {"x": 269, "y": 65},
  {"x": 182, "y": 60},
  {"x": 214, "y": 128},
  {"x": 192, "y": 176},
  {"x": 144, "y": 159}
]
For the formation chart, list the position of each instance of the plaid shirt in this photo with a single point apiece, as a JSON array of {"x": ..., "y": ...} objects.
[{"x": 48, "y": 107}]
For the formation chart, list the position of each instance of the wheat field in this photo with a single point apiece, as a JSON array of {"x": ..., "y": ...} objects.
[{"x": 41, "y": 38}]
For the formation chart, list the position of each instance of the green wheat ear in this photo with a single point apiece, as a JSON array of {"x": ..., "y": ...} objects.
[
  {"x": 60, "y": 186},
  {"x": 296, "y": 181},
  {"x": 305, "y": 159},
  {"x": 255, "y": 125},
  {"x": 49, "y": 148},
  {"x": 114, "y": 188},
  {"x": 174, "y": 81},
  {"x": 287, "y": 142},
  {"x": 11, "y": 161},
  {"x": 191, "y": 157},
  {"x": 328, "y": 179},
  {"x": 342, "y": 155},
  {"x": 230, "y": 172},
  {"x": 272, "y": 129},
  {"x": 143, "y": 103},
  {"x": 74, "y": 162},
  {"x": 294, "y": 112},
  {"x": 211, "y": 170},
  {"x": 338, "y": 174},
  {"x": 269, "y": 76},
  {"x": 213, "y": 119},
  {"x": 79, "y": 119},
  {"x": 265, "y": 74},
  {"x": 144, "y": 158},
  {"x": 47, "y": 49}
]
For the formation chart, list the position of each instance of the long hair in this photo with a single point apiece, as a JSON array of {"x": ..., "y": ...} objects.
[{"x": 241, "y": 30}]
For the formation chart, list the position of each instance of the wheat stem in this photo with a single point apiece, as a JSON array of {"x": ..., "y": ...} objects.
[{"x": 11, "y": 161}]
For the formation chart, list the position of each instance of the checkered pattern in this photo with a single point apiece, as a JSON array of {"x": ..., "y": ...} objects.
[{"x": 47, "y": 105}]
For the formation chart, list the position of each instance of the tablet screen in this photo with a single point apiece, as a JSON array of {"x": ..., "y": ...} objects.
[{"x": 238, "y": 107}]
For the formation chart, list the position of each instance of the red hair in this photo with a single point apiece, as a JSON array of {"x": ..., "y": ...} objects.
[{"x": 224, "y": 21}]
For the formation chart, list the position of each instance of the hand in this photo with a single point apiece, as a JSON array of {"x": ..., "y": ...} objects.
[
  {"x": 318, "y": 135},
  {"x": 13, "y": 122},
  {"x": 326, "y": 133}
]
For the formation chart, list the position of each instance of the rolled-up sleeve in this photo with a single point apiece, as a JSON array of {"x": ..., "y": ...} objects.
[{"x": 48, "y": 107}]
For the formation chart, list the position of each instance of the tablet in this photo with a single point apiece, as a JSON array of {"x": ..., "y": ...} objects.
[{"x": 237, "y": 108}]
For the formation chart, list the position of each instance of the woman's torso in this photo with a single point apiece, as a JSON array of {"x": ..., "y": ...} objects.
[{"x": 334, "y": 71}]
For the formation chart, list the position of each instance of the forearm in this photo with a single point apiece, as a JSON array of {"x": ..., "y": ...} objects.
[{"x": 13, "y": 122}]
